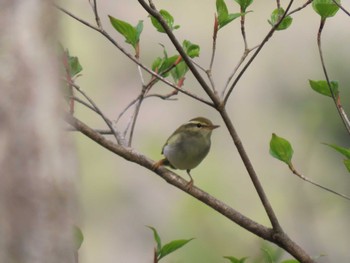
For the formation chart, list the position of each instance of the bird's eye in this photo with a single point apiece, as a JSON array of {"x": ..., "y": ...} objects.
[{"x": 199, "y": 125}]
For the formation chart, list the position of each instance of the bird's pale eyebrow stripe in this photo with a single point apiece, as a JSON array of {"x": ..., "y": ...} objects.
[{"x": 196, "y": 123}]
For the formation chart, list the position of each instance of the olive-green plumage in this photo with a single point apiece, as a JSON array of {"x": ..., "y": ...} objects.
[{"x": 186, "y": 148}]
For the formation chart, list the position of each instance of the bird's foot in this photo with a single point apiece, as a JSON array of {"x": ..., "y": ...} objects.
[
  {"x": 156, "y": 165},
  {"x": 189, "y": 185}
]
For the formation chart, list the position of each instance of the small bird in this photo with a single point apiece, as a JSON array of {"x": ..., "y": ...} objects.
[{"x": 186, "y": 148}]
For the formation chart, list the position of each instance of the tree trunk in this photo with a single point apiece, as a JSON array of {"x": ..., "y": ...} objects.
[{"x": 37, "y": 160}]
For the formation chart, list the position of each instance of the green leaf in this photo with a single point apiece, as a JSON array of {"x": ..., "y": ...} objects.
[
  {"x": 157, "y": 239},
  {"x": 172, "y": 246},
  {"x": 78, "y": 237},
  {"x": 343, "y": 151},
  {"x": 192, "y": 50},
  {"x": 74, "y": 65},
  {"x": 236, "y": 260},
  {"x": 281, "y": 149},
  {"x": 221, "y": 9},
  {"x": 275, "y": 17},
  {"x": 290, "y": 261},
  {"x": 223, "y": 16},
  {"x": 157, "y": 63},
  {"x": 179, "y": 71},
  {"x": 168, "y": 19},
  {"x": 130, "y": 33},
  {"x": 229, "y": 19},
  {"x": 244, "y": 4},
  {"x": 321, "y": 86},
  {"x": 325, "y": 8},
  {"x": 162, "y": 64},
  {"x": 139, "y": 28},
  {"x": 347, "y": 164}
]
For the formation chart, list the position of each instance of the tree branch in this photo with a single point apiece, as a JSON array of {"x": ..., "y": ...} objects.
[
  {"x": 130, "y": 154},
  {"x": 132, "y": 58},
  {"x": 336, "y": 99},
  {"x": 268, "y": 36}
]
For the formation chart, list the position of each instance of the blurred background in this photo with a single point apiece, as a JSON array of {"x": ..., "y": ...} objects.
[{"x": 118, "y": 198}]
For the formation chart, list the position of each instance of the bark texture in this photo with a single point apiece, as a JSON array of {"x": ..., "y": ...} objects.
[{"x": 37, "y": 160}]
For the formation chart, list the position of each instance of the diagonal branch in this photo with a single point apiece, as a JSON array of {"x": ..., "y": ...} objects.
[
  {"x": 250, "y": 169},
  {"x": 279, "y": 238},
  {"x": 268, "y": 208},
  {"x": 153, "y": 12},
  {"x": 132, "y": 58},
  {"x": 267, "y": 37},
  {"x": 335, "y": 98}
]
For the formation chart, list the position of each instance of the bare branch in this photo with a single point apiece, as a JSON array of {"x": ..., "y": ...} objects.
[
  {"x": 277, "y": 237},
  {"x": 250, "y": 169},
  {"x": 294, "y": 171},
  {"x": 336, "y": 98},
  {"x": 153, "y": 12},
  {"x": 132, "y": 58},
  {"x": 267, "y": 37},
  {"x": 117, "y": 136},
  {"x": 341, "y": 7}
]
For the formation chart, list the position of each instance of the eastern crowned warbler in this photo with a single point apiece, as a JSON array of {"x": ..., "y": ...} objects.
[{"x": 188, "y": 146}]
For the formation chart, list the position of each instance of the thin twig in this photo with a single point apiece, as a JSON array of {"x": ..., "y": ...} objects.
[
  {"x": 341, "y": 7},
  {"x": 100, "y": 131},
  {"x": 97, "y": 18},
  {"x": 213, "y": 49},
  {"x": 135, "y": 115},
  {"x": 279, "y": 238},
  {"x": 243, "y": 30},
  {"x": 316, "y": 184},
  {"x": 126, "y": 108},
  {"x": 250, "y": 169},
  {"x": 116, "y": 134},
  {"x": 132, "y": 58},
  {"x": 267, "y": 37},
  {"x": 335, "y": 97},
  {"x": 244, "y": 55},
  {"x": 300, "y": 8},
  {"x": 154, "y": 12},
  {"x": 84, "y": 103},
  {"x": 163, "y": 97}
]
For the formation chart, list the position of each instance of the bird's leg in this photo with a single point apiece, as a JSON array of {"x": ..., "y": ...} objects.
[
  {"x": 190, "y": 183},
  {"x": 159, "y": 163}
]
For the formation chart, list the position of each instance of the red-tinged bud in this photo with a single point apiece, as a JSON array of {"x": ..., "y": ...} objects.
[
  {"x": 178, "y": 60},
  {"x": 216, "y": 26}
]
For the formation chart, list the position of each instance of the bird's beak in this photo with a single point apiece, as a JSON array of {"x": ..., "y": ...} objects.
[{"x": 212, "y": 127}]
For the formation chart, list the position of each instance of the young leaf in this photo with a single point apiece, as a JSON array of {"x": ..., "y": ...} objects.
[
  {"x": 130, "y": 33},
  {"x": 236, "y": 260},
  {"x": 192, "y": 50},
  {"x": 179, "y": 71},
  {"x": 281, "y": 149},
  {"x": 172, "y": 246},
  {"x": 343, "y": 151},
  {"x": 168, "y": 19},
  {"x": 325, "y": 8},
  {"x": 290, "y": 261},
  {"x": 347, "y": 164},
  {"x": 321, "y": 86},
  {"x": 74, "y": 65},
  {"x": 78, "y": 237},
  {"x": 157, "y": 239},
  {"x": 244, "y": 4},
  {"x": 275, "y": 17},
  {"x": 223, "y": 16},
  {"x": 221, "y": 9},
  {"x": 139, "y": 28},
  {"x": 229, "y": 19}
]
